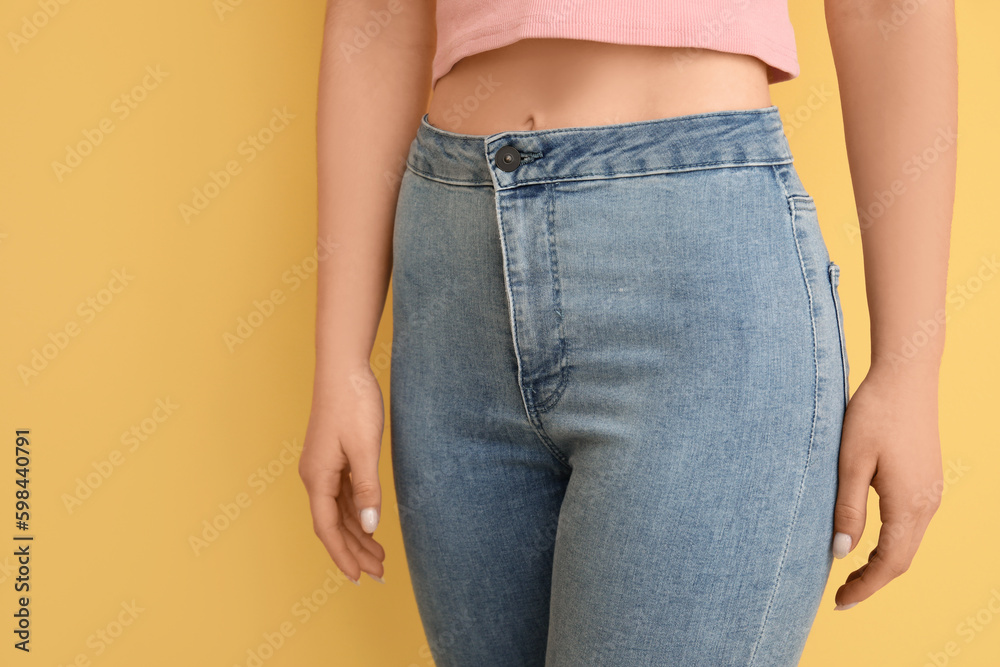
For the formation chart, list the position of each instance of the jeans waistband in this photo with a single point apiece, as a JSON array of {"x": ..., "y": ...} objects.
[{"x": 677, "y": 143}]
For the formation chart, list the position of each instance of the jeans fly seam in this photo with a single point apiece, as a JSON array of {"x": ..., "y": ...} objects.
[
  {"x": 554, "y": 396},
  {"x": 539, "y": 429},
  {"x": 528, "y": 409},
  {"x": 812, "y": 430}
]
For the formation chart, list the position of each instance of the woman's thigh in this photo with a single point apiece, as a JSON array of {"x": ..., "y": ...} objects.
[
  {"x": 478, "y": 491},
  {"x": 701, "y": 418}
]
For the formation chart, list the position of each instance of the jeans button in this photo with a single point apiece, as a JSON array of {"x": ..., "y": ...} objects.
[{"x": 508, "y": 158}]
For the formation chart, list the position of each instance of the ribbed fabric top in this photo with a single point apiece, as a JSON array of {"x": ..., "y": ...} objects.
[{"x": 758, "y": 28}]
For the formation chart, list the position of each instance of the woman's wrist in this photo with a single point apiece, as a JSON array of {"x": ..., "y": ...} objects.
[
  {"x": 332, "y": 379},
  {"x": 917, "y": 371}
]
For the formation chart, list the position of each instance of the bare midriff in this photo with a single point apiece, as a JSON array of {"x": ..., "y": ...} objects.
[{"x": 551, "y": 83}]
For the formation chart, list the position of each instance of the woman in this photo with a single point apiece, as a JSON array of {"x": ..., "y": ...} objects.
[{"x": 619, "y": 381}]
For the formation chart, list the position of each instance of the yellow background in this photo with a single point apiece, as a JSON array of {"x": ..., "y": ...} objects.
[{"x": 161, "y": 335}]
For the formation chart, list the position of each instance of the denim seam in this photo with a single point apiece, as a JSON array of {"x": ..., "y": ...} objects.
[
  {"x": 557, "y": 293},
  {"x": 528, "y": 409},
  {"x": 841, "y": 333},
  {"x": 812, "y": 432},
  {"x": 593, "y": 177},
  {"x": 651, "y": 172},
  {"x": 556, "y": 393},
  {"x": 438, "y": 179},
  {"x": 536, "y": 423}
]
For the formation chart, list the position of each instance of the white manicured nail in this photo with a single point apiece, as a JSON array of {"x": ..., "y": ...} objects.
[
  {"x": 841, "y": 544},
  {"x": 369, "y": 519},
  {"x": 378, "y": 579},
  {"x": 840, "y": 607}
]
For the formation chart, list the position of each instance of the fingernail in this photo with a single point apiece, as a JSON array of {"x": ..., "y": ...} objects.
[
  {"x": 841, "y": 607},
  {"x": 841, "y": 544},
  {"x": 354, "y": 580},
  {"x": 378, "y": 579},
  {"x": 369, "y": 519}
]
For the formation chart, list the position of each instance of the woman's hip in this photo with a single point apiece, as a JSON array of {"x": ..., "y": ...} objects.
[{"x": 620, "y": 266}]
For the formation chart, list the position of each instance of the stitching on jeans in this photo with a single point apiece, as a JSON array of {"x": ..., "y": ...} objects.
[
  {"x": 812, "y": 432},
  {"x": 529, "y": 410},
  {"x": 596, "y": 176},
  {"x": 547, "y": 442},
  {"x": 566, "y": 130},
  {"x": 841, "y": 333},
  {"x": 563, "y": 368},
  {"x": 538, "y": 408},
  {"x": 670, "y": 170},
  {"x": 438, "y": 179},
  {"x": 510, "y": 302}
]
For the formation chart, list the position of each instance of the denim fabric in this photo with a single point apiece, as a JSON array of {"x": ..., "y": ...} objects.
[{"x": 618, "y": 384}]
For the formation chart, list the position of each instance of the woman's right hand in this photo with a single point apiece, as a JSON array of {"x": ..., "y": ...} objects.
[{"x": 339, "y": 467}]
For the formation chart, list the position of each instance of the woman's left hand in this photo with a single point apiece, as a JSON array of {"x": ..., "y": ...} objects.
[{"x": 890, "y": 442}]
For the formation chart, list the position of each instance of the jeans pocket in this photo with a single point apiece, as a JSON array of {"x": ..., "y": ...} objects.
[{"x": 833, "y": 270}]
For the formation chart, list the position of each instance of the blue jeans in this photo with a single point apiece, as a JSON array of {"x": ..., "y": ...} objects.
[{"x": 618, "y": 384}]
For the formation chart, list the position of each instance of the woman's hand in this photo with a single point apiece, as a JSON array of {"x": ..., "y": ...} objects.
[
  {"x": 339, "y": 466},
  {"x": 890, "y": 442}
]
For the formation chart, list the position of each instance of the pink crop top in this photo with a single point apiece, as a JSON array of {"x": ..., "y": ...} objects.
[{"x": 759, "y": 28}]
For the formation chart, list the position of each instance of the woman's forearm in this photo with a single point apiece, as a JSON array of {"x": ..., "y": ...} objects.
[
  {"x": 374, "y": 86},
  {"x": 897, "y": 73}
]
